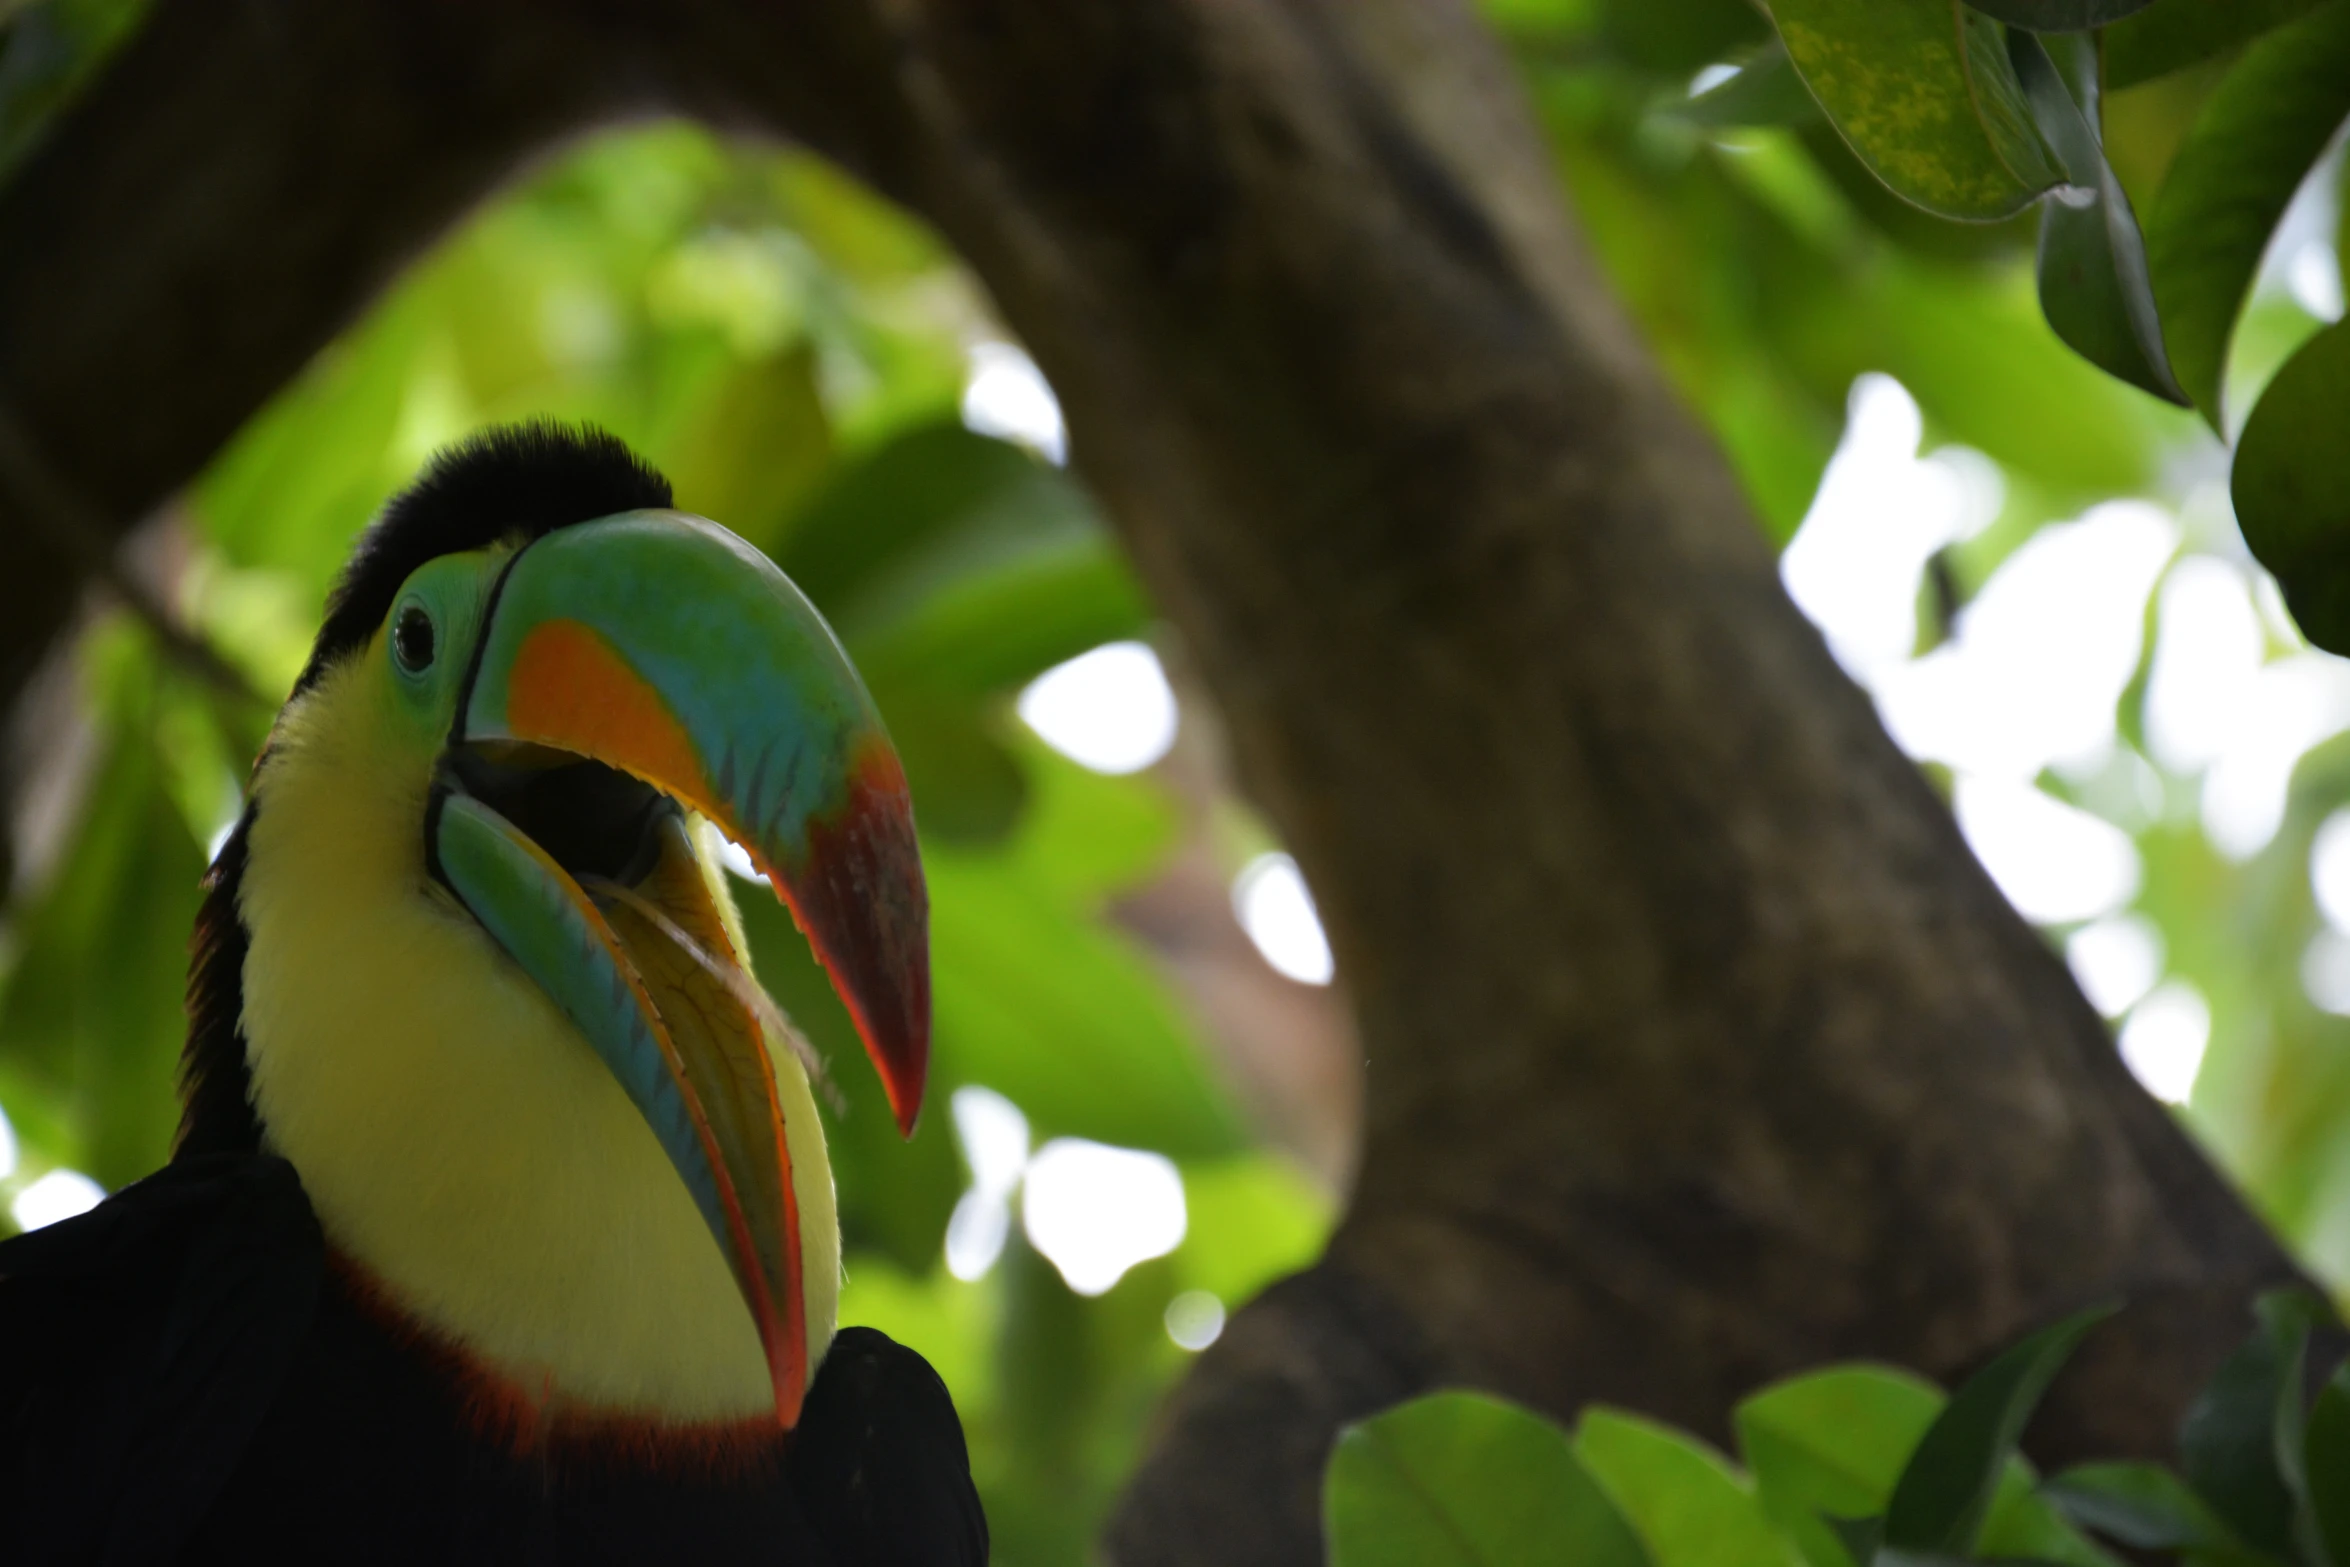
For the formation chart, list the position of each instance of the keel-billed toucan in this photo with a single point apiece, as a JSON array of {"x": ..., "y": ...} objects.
[{"x": 500, "y": 1227}]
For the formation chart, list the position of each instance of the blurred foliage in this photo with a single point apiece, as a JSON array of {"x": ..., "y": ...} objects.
[
  {"x": 1861, "y": 1466},
  {"x": 792, "y": 351}
]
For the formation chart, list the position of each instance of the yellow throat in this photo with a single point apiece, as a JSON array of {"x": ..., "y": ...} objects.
[{"x": 456, "y": 1135}]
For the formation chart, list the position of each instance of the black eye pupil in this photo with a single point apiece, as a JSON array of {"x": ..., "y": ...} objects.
[{"x": 412, "y": 638}]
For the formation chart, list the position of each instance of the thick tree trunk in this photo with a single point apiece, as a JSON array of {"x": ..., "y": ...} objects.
[{"x": 1699, "y": 1048}]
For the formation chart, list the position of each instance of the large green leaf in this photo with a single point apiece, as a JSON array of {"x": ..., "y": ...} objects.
[
  {"x": 967, "y": 785},
  {"x": 2249, "y": 149},
  {"x": 752, "y": 451},
  {"x": 2093, "y": 280},
  {"x": 2291, "y": 486},
  {"x": 1830, "y": 1444},
  {"x": 2327, "y": 1456},
  {"x": 1923, "y": 92},
  {"x": 1677, "y": 38},
  {"x": 1464, "y": 1480},
  {"x": 2143, "y": 1506},
  {"x": 1042, "y": 1004},
  {"x": 2059, "y": 16},
  {"x": 2173, "y": 34},
  {"x": 1687, "y": 1503},
  {"x": 92, "y": 1015},
  {"x": 1947, "y": 1488},
  {"x": 961, "y": 564},
  {"x": 2241, "y": 1442}
]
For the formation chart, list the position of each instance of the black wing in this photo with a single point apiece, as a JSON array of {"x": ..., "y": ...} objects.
[
  {"x": 140, "y": 1345},
  {"x": 879, "y": 1462}
]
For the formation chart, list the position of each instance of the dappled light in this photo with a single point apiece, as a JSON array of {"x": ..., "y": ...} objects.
[
  {"x": 994, "y": 1138},
  {"x": 2164, "y": 1038},
  {"x": 1110, "y": 709},
  {"x": 1006, "y": 396},
  {"x": 60, "y": 1194},
  {"x": 1277, "y": 911},
  {"x": 1096, "y": 1211},
  {"x": 2116, "y": 960},
  {"x": 2056, "y": 862},
  {"x": 1195, "y": 1319}
]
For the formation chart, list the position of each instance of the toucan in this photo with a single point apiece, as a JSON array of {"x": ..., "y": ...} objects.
[{"x": 499, "y": 1225}]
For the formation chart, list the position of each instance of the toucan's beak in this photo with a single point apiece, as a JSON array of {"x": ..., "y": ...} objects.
[{"x": 661, "y": 647}]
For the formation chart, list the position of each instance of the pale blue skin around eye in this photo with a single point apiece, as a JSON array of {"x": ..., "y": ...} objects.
[{"x": 453, "y": 591}]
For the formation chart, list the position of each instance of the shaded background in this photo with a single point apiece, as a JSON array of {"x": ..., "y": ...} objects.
[{"x": 1146, "y": 1091}]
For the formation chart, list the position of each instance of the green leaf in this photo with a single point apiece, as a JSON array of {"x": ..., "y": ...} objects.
[
  {"x": 2327, "y": 1456},
  {"x": 2248, "y": 151},
  {"x": 1678, "y": 38},
  {"x": 1464, "y": 1480},
  {"x": 1689, "y": 1506},
  {"x": 1766, "y": 91},
  {"x": 1830, "y": 1444},
  {"x": 2143, "y": 1506},
  {"x": 2291, "y": 486},
  {"x": 1923, "y": 92},
  {"x": 2235, "y": 1438},
  {"x": 2059, "y": 16},
  {"x": 968, "y": 788},
  {"x": 960, "y": 564},
  {"x": 2093, "y": 281},
  {"x": 929, "y": 506},
  {"x": 2171, "y": 35},
  {"x": 1946, "y": 1490},
  {"x": 1863, "y": 1539},
  {"x": 755, "y": 447}
]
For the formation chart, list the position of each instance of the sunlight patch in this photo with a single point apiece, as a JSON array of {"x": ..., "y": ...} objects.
[
  {"x": 1111, "y": 709},
  {"x": 61, "y": 1194},
  {"x": 2164, "y": 1039},
  {"x": 1095, "y": 1211},
  {"x": 1274, "y": 907}
]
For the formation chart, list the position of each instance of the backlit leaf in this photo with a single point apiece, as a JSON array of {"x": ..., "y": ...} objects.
[
  {"x": 2143, "y": 1506},
  {"x": 1687, "y": 1503},
  {"x": 1947, "y": 1487},
  {"x": 1464, "y": 1480},
  {"x": 2171, "y": 35},
  {"x": 1923, "y": 92},
  {"x": 2093, "y": 280},
  {"x": 2235, "y": 1437},
  {"x": 2251, "y": 145},
  {"x": 2059, "y": 16},
  {"x": 2291, "y": 486}
]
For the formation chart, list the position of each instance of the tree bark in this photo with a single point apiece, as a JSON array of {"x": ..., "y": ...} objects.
[{"x": 1699, "y": 1048}]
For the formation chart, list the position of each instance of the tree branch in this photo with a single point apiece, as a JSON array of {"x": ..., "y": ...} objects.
[{"x": 1700, "y": 1049}]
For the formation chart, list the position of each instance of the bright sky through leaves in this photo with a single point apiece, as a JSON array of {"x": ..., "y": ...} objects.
[
  {"x": 2115, "y": 961},
  {"x": 1006, "y": 395},
  {"x": 58, "y": 1195},
  {"x": 1111, "y": 709},
  {"x": 2164, "y": 1039},
  {"x": 994, "y": 1138},
  {"x": 1095, "y": 1211},
  {"x": 1277, "y": 911}
]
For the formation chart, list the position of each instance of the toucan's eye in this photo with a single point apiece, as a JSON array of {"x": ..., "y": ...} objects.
[{"x": 412, "y": 639}]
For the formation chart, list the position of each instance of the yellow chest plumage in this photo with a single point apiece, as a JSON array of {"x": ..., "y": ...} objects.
[{"x": 456, "y": 1135}]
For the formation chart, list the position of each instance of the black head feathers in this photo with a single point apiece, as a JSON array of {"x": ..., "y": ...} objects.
[{"x": 515, "y": 482}]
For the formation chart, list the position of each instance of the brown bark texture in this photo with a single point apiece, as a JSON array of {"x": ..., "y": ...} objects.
[{"x": 1699, "y": 1049}]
